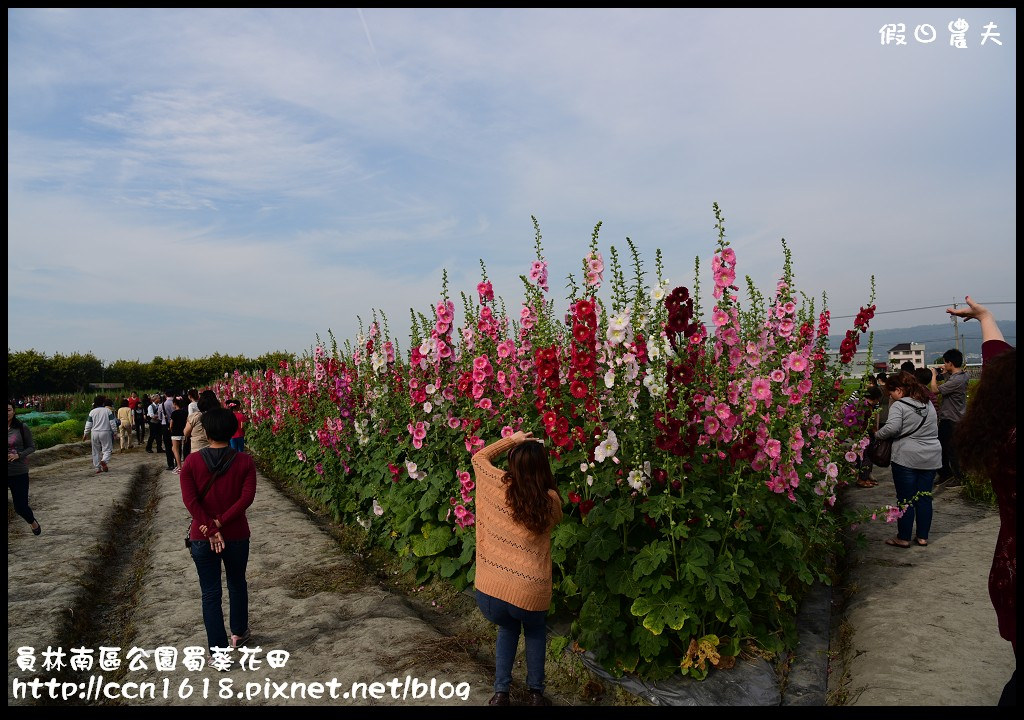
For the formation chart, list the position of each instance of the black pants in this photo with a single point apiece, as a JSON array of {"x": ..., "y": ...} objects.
[
  {"x": 156, "y": 432},
  {"x": 1009, "y": 696},
  {"x": 169, "y": 448},
  {"x": 140, "y": 427},
  {"x": 18, "y": 485},
  {"x": 950, "y": 464}
]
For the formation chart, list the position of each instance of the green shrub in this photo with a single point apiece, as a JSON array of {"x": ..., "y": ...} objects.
[{"x": 69, "y": 431}]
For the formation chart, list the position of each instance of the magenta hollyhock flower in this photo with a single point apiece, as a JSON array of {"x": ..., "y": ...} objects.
[
  {"x": 459, "y": 511},
  {"x": 507, "y": 431},
  {"x": 804, "y": 386},
  {"x": 711, "y": 424},
  {"x": 723, "y": 411},
  {"x": 319, "y": 467}
]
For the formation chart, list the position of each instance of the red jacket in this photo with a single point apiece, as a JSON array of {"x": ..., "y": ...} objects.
[{"x": 226, "y": 500}]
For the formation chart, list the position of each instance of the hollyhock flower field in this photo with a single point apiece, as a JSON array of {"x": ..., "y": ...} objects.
[{"x": 698, "y": 462}]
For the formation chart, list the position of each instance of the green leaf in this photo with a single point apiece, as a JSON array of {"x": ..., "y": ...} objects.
[
  {"x": 434, "y": 539},
  {"x": 650, "y": 558},
  {"x": 602, "y": 545},
  {"x": 659, "y": 612}
]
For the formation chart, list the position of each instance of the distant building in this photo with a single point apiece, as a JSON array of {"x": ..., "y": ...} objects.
[
  {"x": 857, "y": 367},
  {"x": 899, "y": 354}
]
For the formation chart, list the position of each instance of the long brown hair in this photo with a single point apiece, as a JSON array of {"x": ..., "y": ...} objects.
[
  {"x": 906, "y": 382},
  {"x": 526, "y": 486},
  {"x": 990, "y": 424}
]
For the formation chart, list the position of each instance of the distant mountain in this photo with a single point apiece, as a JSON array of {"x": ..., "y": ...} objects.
[{"x": 937, "y": 339}]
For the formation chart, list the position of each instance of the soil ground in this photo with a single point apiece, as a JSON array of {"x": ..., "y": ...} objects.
[{"x": 909, "y": 627}]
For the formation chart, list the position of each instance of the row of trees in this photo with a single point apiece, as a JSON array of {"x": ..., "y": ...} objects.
[{"x": 30, "y": 372}]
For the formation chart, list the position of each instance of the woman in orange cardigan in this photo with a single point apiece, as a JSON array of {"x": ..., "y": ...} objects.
[{"x": 515, "y": 512}]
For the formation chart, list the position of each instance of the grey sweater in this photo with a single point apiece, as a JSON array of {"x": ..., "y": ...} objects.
[{"x": 920, "y": 450}]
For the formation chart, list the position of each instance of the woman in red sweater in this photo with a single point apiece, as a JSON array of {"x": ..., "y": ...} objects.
[
  {"x": 220, "y": 532},
  {"x": 515, "y": 512},
  {"x": 986, "y": 441}
]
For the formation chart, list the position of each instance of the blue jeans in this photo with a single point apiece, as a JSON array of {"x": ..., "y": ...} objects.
[
  {"x": 509, "y": 620},
  {"x": 908, "y": 483},
  {"x": 235, "y": 557},
  {"x": 237, "y": 443}
]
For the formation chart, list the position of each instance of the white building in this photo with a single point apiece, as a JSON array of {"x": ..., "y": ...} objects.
[
  {"x": 860, "y": 364},
  {"x": 899, "y": 354}
]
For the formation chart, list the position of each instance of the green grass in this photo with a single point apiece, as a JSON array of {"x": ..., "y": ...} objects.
[{"x": 978, "y": 489}]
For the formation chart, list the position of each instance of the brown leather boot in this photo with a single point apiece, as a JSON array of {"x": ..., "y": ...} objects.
[
  {"x": 537, "y": 699},
  {"x": 500, "y": 698}
]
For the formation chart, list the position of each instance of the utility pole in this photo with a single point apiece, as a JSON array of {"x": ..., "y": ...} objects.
[{"x": 956, "y": 329}]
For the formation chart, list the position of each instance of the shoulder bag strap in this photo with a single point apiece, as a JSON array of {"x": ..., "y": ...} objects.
[{"x": 919, "y": 425}]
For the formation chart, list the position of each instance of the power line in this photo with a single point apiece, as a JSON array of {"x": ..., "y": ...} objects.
[{"x": 926, "y": 307}]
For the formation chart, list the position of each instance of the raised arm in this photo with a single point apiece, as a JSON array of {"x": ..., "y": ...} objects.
[{"x": 989, "y": 329}]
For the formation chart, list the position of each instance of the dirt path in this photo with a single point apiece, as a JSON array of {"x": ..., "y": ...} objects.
[
  {"x": 918, "y": 626},
  {"x": 110, "y": 569}
]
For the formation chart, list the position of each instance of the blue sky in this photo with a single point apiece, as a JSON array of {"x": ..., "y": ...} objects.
[{"x": 184, "y": 182}]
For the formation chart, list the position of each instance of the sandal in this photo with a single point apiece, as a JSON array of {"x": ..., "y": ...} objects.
[
  {"x": 922, "y": 542},
  {"x": 896, "y": 542},
  {"x": 237, "y": 640}
]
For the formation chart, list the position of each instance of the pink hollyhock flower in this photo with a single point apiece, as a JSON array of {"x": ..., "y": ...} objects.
[
  {"x": 832, "y": 470},
  {"x": 507, "y": 431},
  {"x": 300, "y": 455},
  {"x": 777, "y": 375},
  {"x": 453, "y": 423},
  {"x": 484, "y": 404},
  {"x": 850, "y": 456},
  {"x": 711, "y": 424},
  {"x": 462, "y": 476},
  {"x": 797, "y": 362},
  {"x": 761, "y": 389},
  {"x": 892, "y": 514},
  {"x": 786, "y": 327},
  {"x": 804, "y": 386},
  {"x": 772, "y": 448},
  {"x": 459, "y": 511},
  {"x": 719, "y": 317},
  {"x": 729, "y": 256},
  {"x": 486, "y": 291},
  {"x": 723, "y": 411}
]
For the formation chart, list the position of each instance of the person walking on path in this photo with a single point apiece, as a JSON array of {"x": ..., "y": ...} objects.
[
  {"x": 986, "y": 440},
  {"x": 953, "y": 405},
  {"x": 916, "y": 456},
  {"x": 100, "y": 424},
  {"x": 516, "y": 511},
  {"x": 19, "y": 446},
  {"x": 238, "y": 439},
  {"x": 195, "y": 433},
  {"x": 168, "y": 408},
  {"x": 178, "y": 419},
  {"x": 126, "y": 420},
  {"x": 138, "y": 417},
  {"x": 155, "y": 415},
  {"x": 217, "y": 486}
]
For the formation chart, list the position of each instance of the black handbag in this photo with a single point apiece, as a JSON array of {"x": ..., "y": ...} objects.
[
  {"x": 225, "y": 463},
  {"x": 880, "y": 451}
]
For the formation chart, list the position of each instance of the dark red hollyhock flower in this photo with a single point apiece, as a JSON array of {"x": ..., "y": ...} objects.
[
  {"x": 574, "y": 497},
  {"x": 586, "y": 506},
  {"x": 647, "y": 519}
]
